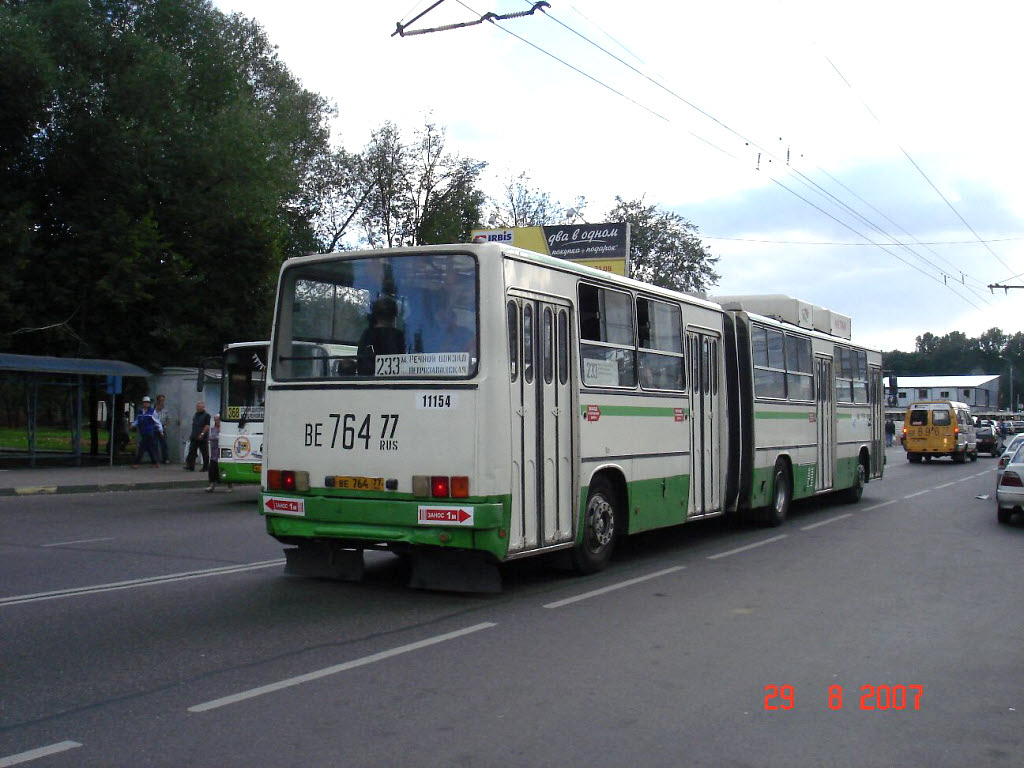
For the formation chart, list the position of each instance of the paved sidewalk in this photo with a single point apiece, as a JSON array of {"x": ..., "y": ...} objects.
[{"x": 120, "y": 477}]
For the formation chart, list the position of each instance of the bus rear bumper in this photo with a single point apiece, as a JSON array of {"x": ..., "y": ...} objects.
[{"x": 402, "y": 526}]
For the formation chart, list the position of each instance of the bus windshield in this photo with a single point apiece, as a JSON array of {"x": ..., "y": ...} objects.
[
  {"x": 244, "y": 381},
  {"x": 408, "y": 316}
]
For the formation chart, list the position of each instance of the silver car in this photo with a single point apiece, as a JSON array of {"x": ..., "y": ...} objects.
[
  {"x": 1010, "y": 482},
  {"x": 1014, "y": 443}
]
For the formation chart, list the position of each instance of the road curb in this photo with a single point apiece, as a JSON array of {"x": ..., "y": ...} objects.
[{"x": 40, "y": 490}]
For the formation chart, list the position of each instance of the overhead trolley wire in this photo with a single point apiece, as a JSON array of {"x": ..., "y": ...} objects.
[
  {"x": 918, "y": 167},
  {"x": 804, "y": 179}
]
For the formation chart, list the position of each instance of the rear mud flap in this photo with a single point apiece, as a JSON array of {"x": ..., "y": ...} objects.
[
  {"x": 454, "y": 572},
  {"x": 323, "y": 561}
]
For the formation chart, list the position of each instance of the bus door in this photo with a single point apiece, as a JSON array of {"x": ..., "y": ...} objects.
[
  {"x": 543, "y": 459},
  {"x": 876, "y": 399},
  {"x": 702, "y": 350},
  {"x": 825, "y": 417}
]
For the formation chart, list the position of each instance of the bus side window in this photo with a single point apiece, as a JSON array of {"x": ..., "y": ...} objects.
[
  {"x": 513, "y": 340},
  {"x": 563, "y": 347},
  {"x": 549, "y": 346},
  {"x": 528, "y": 343}
]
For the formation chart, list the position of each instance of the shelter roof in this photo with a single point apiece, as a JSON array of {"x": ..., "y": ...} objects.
[{"x": 69, "y": 365}]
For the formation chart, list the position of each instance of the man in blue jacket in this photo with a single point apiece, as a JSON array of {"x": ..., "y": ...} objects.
[{"x": 148, "y": 426}]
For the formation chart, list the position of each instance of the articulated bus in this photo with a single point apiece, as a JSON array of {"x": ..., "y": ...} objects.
[
  {"x": 467, "y": 405},
  {"x": 243, "y": 381}
]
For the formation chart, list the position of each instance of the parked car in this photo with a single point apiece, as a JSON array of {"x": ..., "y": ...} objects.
[
  {"x": 989, "y": 440},
  {"x": 1011, "y": 448},
  {"x": 1010, "y": 486}
]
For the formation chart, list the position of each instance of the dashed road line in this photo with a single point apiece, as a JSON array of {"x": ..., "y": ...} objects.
[
  {"x": 825, "y": 522},
  {"x": 919, "y": 493},
  {"x": 333, "y": 670},
  {"x": 80, "y": 541},
  {"x": 744, "y": 549},
  {"x": 35, "y": 754},
  {"x": 613, "y": 587},
  {"x": 879, "y": 506},
  {"x": 134, "y": 583}
]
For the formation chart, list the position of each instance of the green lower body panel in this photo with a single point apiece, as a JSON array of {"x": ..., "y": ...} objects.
[
  {"x": 471, "y": 524},
  {"x": 657, "y": 503},
  {"x": 238, "y": 472},
  {"x": 803, "y": 481}
]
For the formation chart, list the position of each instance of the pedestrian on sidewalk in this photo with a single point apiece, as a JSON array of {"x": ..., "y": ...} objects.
[
  {"x": 890, "y": 432},
  {"x": 148, "y": 427},
  {"x": 214, "y": 474},
  {"x": 199, "y": 439},
  {"x": 160, "y": 409}
]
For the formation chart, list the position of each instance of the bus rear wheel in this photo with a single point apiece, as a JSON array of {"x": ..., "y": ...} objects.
[
  {"x": 782, "y": 496},
  {"x": 599, "y": 528},
  {"x": 914, "y": 458}
]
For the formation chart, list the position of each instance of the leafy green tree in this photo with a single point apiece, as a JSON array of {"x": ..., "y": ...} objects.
[
  {"x": 521, "y": 205},
  {"x": 418, "y": 192},
  {"x": 664, "y": 248},
  {"x": 153, "y": 177}
]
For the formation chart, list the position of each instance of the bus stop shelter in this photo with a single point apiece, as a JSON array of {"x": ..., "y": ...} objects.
[{"x": 67, "y": 372}]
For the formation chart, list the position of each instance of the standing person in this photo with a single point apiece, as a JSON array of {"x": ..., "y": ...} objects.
[
  {"x": 199, "y": 439},
  {"x": 148, "y": 427},
  {"x": 890, "y": 432},
  {"x": 160, "y": 410},
  {"x": 214, "y": 473}
]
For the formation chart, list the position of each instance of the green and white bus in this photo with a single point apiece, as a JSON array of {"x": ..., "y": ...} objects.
[
  {"x": 243, "y": 385},
  {"x": 467, "y": 405}
]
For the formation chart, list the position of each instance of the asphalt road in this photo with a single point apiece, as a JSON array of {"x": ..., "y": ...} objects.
[{"x": 157, "y": 628}]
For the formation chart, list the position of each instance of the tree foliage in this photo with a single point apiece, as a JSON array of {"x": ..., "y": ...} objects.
[
  {"x": 154, "y": 166},
  {"x": 416, "y": 191},
  {"x": 521, "y": 205},
  {"x": 664, "y": 247}
]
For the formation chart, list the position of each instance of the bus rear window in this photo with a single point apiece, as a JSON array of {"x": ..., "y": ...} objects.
[{"x": 386, "y": 317}]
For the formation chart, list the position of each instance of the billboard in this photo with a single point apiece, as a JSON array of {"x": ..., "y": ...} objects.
[{"x": 602, "y": 246}]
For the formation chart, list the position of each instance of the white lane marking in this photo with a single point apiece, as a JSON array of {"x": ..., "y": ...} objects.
[
  {"x": 879, "y": 506},
  {"x": 613, "y": 587},
  {"x": 310, "y": 676},
  {"x": 35, "y": 754},
  {"x": 826, "y": 522},
  {"x": 945, "y": 485},
  {"x": 749, "y": 546},
  {"x": 80, "y": 541},
  {"x": 18, "y": 599},
  {"x": 920, "y": 493}
]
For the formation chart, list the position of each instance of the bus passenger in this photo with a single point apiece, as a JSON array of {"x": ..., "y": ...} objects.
[{"x": 382, "y": 337}]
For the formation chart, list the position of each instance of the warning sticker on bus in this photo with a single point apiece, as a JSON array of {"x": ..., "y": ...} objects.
[
  {"x": 425, "y": 364},
  {"x": 279, "y": 506},
  {"x": 446, "y": 516}
]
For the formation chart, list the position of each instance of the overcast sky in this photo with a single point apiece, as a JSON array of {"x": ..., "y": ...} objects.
[{"x": 907, "y": 112}]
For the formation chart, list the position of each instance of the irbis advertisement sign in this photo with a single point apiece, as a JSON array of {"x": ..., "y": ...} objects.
[{"x": 602, "y": 246}]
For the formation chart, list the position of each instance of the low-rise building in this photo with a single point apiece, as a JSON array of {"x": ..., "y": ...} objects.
[{"x": 980, "y": 391}]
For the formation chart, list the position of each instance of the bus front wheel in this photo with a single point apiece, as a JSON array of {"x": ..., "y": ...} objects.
[
  {"x": 782, "y": 496},
  {"x": 852, "y": 494},
  {"x": 599, "y": 528}
]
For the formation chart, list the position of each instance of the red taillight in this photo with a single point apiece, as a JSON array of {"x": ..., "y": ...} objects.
[
  {"x": 1011, "y": 479},
  {"x": 439, "y": 487},
  {"x": 287, "y": 480}
]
